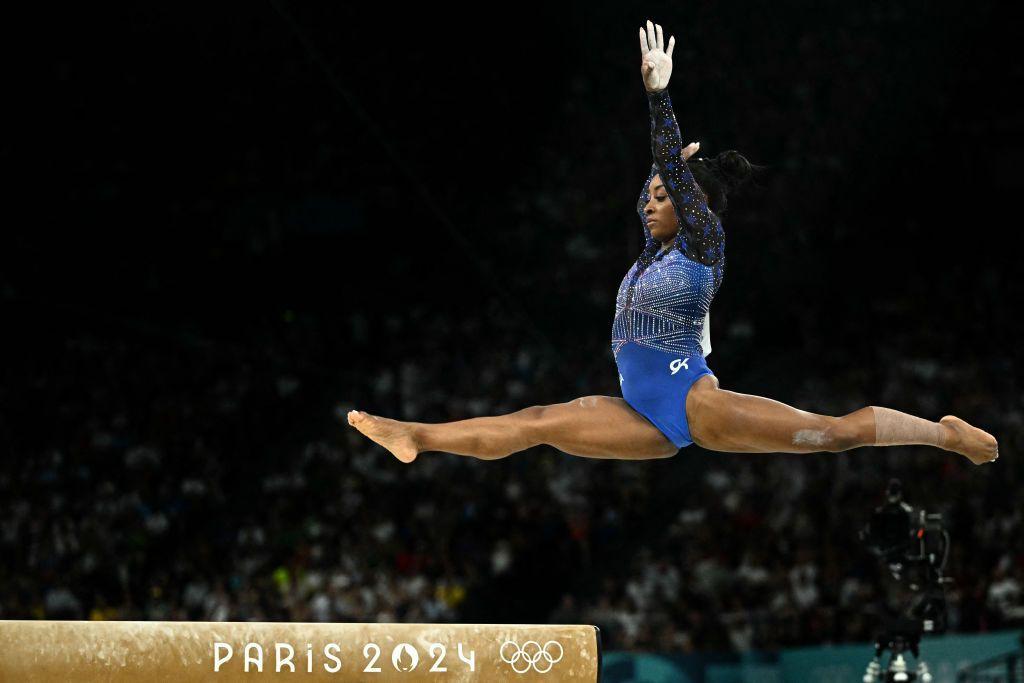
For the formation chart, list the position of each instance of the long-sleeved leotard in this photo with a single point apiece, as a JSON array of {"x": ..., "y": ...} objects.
[{"x": 660, "y": 331}]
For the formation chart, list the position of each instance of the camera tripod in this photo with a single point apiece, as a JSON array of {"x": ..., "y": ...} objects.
[{"x": 900, "y": 636}]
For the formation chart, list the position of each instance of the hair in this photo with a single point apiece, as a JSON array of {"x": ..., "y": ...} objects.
[{"x": 719, "y": 176}]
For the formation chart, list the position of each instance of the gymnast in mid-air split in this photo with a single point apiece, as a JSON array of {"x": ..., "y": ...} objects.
[{"x": 670, "y": 398}]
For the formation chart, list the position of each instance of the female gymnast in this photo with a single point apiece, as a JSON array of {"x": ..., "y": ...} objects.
[{"x": 670, "y": 398}]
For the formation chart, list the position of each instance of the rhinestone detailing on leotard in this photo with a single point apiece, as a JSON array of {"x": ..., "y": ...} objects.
[{"x": 664, "y": 300}]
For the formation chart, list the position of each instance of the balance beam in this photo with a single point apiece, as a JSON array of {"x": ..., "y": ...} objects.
[{"x": 89, "y": 651}]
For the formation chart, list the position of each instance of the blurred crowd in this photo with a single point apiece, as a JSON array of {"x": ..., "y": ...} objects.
[{"x": 158, "y": 480}]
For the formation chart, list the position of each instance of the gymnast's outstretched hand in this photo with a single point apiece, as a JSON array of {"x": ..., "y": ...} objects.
[{"x": 656, "y": 64}]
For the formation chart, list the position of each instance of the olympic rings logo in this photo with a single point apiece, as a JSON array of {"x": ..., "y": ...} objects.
[{"x": 531, "y": 656}]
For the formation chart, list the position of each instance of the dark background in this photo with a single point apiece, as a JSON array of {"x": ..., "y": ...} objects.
[{"x": 228, "y": 223}]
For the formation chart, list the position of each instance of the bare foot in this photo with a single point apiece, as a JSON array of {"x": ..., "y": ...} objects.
[
  {"x": 979, "y": 446},
  {"x": 391, "y": 434}
]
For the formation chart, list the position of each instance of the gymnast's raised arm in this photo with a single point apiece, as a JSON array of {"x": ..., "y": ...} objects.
[{"x": 700, "y": 227}]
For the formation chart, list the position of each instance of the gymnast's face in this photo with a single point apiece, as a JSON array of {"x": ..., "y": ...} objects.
[{"x": 661, "y": 217}]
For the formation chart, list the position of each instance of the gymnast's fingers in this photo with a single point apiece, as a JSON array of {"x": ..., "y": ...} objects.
[
  {"x": 671, "y": 45},
  {"x": 652, "y": 39},
  {"x": 661, "y": 38},
  {"x": 644, "y": 48}
]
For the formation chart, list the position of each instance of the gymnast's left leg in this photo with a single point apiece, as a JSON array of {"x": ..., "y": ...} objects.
[
  {"x": 589, "y": 427},
  {"x": 727, "y": 421}
]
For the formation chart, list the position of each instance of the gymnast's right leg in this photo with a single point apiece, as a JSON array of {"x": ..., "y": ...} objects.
[{"x": 591, "y": 427}]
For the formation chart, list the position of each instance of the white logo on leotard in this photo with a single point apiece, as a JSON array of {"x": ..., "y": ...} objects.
[
  {"x": 679, "y": 363},
  {"x": 621, "y": 380}
]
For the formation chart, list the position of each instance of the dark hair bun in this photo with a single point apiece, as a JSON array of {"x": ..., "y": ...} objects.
[
  {"x": 720, "y": 175},
  {"x": 733, "y": 168}
]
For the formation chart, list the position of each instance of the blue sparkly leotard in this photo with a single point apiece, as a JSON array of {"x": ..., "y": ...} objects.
[{"x": 660, "y": 333}]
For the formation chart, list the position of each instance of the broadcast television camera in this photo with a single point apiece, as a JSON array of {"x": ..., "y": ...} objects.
[{"x": 914, "y": 545}]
